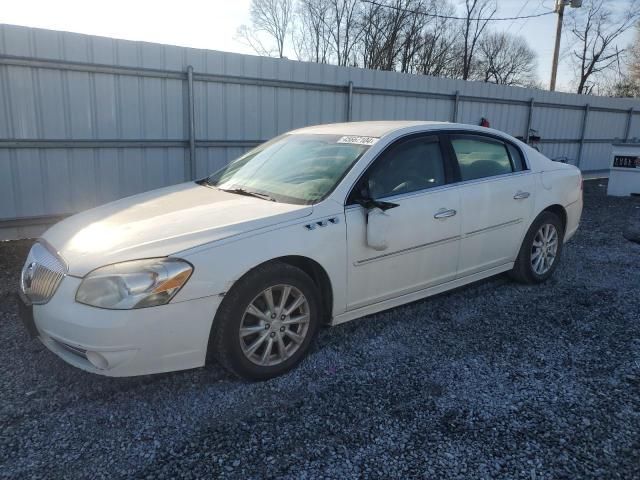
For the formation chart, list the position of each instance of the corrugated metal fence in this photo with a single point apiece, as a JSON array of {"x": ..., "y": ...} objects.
[{"x": 85, "y": 120}]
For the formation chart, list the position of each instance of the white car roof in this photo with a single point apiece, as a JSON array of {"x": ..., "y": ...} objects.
[
  {"x": 378, "y": 129},
  {"x": 369, "y": 129}
]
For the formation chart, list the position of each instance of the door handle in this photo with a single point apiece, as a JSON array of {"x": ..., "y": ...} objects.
[
  {"x": 444, "y": 213},
  {"x": 521, "y": 195}
]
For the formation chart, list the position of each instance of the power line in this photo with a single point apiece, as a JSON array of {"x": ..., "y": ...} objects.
[
  {"x": 449, "y": 17},
  {"x": 524, "y": 5},
  {"x": 541, "y": 4}
]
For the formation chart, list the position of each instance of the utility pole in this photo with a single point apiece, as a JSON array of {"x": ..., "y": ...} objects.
[
  {"x": 560, "y": 4},
  {"x": 556, "y": 51}
]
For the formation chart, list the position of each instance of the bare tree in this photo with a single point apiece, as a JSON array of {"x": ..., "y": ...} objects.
[
  {"x": 391, "y": 33},
  {"x": 374, "y": 35},
  {"x": 411, "y": 34},
  {"x": 506, "y": 60},
  {"x": 477, "y": 16},
  {"x": 345, "y": 29},
  {"x": 633, "y": 59},
  {"x": 311, "y": 39},
  {"x": 626, "y": 80},
  {"x": 597, "y": 30},
  {"x": 440, "y": 50},
  {"x": 616, "y": 84},
  {"x": 416, "y": 36},
  {"x": 271, "y": 18}
]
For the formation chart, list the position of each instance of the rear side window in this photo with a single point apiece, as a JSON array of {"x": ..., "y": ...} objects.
[
  {"x": 516, "y": 158},
  {"x": 480, "y": 158}
]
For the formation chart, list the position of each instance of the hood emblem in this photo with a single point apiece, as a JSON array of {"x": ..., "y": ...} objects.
[{"x": 27, "y": 275}]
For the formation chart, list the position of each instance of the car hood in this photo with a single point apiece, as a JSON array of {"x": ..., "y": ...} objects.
[{"x": 161, "y": 222}]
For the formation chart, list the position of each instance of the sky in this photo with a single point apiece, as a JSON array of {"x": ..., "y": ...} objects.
[{"x": 212, "y": 24}]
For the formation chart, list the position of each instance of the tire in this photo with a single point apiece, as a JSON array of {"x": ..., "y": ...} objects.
[
  {"x": 246, "y": 306},
  {"x": 527, "y": 267}
]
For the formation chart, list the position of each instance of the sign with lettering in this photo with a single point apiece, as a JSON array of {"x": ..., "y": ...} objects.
[
  {"x": 358, "y": 140},
  {"x": 626, "y": 161}
]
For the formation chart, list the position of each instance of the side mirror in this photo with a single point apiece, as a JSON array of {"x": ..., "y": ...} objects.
[
  {"x": 377, "y": 226},
  {"x": 377, "y": 219},
  {"x": 364, "y": 199}
]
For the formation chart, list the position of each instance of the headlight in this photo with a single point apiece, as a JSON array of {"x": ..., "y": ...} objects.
[{"x": 135, "y": 284}]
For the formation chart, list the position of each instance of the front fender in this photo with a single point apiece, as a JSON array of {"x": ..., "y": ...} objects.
[{"x": 219, "y": 265}]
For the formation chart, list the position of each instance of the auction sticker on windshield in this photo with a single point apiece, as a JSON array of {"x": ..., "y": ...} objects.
[{"x": 358, "y": 140}]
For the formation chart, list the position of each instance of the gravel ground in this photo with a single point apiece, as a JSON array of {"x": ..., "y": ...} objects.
[{"x": 495, "y": 380}]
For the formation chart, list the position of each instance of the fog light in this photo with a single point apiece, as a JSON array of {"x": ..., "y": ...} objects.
[{"x": 97, "y": 360}]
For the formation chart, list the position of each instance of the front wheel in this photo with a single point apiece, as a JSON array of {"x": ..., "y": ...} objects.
[
  {"x": 266, "y": 323},
  {"x": 540, "y": 251}
]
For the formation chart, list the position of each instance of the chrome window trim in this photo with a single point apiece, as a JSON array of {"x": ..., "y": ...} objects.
[
  {"x": 493, "y": 178},
  {"x": 437, "y": 133},
  {"x": 464, "y": 183}
]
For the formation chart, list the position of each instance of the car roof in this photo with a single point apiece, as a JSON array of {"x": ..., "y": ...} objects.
[
  {"x": 379, "y": 129},
  {"x": 370, "y": 129}
]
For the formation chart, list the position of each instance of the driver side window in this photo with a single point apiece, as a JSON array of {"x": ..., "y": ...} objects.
[{"x": 408, "y": 166}]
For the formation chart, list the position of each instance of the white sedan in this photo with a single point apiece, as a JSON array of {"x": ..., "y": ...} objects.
[{"x": 321, "y": 225}]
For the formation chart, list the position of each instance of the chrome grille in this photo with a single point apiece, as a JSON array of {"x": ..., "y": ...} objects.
[{"x": 41, "y": 274}]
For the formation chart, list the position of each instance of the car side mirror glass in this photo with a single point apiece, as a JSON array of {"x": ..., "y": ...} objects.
[{"x": 377, "y": 226}]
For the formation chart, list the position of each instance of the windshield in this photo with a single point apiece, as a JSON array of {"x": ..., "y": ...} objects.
[{"x": 296, "y": 168}]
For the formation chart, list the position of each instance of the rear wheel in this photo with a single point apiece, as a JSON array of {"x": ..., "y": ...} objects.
[
  {"x": 267, "y": 322},
  {"x": 541, "y": 250}
]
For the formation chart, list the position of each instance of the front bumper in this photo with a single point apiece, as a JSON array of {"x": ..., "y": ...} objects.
[{"x": 122, "y": 343}]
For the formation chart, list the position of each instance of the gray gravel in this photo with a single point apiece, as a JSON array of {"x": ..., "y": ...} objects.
[
  {"x": 632, "y": 229},
  {"x": 495, "y": 380}
]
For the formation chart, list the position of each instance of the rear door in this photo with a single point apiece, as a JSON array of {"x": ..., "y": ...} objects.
[{"x": 497, "y": 199}]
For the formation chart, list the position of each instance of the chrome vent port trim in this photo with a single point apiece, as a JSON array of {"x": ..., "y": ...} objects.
[
  {"x": 42, "y": 273},
  {"x": 80, "y": 352},
  {"x": 322, "y": 223}
]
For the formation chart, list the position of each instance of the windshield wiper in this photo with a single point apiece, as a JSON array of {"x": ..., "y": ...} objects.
[
  {"x": 242, "y": 191},
  {"x": 205, "y": 181}
]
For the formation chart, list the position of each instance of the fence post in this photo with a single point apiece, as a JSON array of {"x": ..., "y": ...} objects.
[
  {"x": 192, "y": 126},
  {"x": 585, "y": 118},
  {"x": 529, "y": 118},
  {"x": 350, "y": 101},
  {"x": 455, "y": 106},
  {"x": 629, "y": 120}
]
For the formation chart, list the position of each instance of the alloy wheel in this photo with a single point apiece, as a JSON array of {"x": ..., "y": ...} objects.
[
  {"x": 274, "y": 325},
  {"x": 544, "y": 249}
]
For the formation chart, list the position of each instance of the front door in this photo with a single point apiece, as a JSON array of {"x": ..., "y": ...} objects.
[{"x": 422, "y": 232}]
